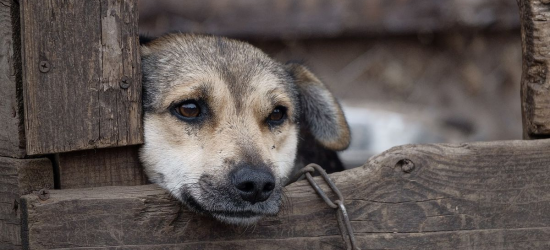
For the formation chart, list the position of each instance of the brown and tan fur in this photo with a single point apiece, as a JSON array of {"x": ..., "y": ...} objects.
[{"x": 237, "y": 87}]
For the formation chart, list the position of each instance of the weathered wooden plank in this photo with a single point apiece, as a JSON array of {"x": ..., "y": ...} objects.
[
  {"x": 503, "y": 239},
  {"x": 81, "y": 75},
  {"x": 489, "y": 195},
  {"x": 535, "y": 83},
  {"x": 101, "y": 167},
  {"x": 12, "y": 134},
  {"x": 323, "y": 18},
  {"x": 19, "y": 177}
]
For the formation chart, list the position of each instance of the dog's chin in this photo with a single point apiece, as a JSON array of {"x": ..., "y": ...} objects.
[
  {"x": 232, "y": 215},
  {"x": 233, "y": 219}
]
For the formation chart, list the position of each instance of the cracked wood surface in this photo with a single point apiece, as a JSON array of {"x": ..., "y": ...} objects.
[
  {"x": 487, "y": 195},
  {"x": 76, "y": 55},
  {"x": 535, "y": 83}
]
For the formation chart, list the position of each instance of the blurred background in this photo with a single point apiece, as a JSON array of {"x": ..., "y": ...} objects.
[{"x": 405, "y": 71}]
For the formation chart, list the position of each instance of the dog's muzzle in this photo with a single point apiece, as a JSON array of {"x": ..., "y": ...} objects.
[{"x": 246, "y": 194}]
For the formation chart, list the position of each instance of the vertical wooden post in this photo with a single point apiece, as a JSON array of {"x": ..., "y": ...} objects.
[
  {"x": 535, "y": 80},
  {"x": 19, "y": 177},
  {"x": 12, "y": 137}
]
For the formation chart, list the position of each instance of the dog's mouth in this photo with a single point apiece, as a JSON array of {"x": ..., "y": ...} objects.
[{"x": 234, "y": 212}]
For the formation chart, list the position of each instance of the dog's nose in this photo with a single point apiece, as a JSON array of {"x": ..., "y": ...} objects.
[{"x": 253, "y": 184}]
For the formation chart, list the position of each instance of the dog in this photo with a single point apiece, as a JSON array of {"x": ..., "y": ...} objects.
[{"x": 224, "y": 123}]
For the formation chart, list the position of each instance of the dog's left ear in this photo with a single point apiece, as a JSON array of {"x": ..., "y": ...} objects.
[{"x": 321, "y": 112}]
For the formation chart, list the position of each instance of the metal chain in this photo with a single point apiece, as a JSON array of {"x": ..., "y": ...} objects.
[{"x": 341, "y": 212}]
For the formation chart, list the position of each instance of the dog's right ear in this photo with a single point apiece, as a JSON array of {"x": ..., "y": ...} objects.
[{"x": 321, "y": 113}]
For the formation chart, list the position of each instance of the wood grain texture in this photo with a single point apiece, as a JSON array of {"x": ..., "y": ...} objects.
[
  {"x": 491, "y": 195},
  {"x": 12, "y": 133},
  {"x": 535, "y": 83},
  {"x": 290, "y": 19},
  {"x": 101, "y": 167},
  {"x": 504, "y": 239},
  {"x": 75, "y": 55},
  {"x": 19, "y": 177}
]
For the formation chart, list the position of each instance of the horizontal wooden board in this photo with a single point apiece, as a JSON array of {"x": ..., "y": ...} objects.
[
  {"x": 12, "y": 132},
  {"x": 19, "y": 177},
  {"x": 503, "y": 239},
  {"x": 81, "y": 75},
  {"x": 487, "y": 195},
  {"x": 289, "y": 19},
  {"x": 101, "y": 167}
]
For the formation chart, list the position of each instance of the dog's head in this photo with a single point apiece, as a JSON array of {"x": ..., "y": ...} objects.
[{"x": 222, "y": 120}]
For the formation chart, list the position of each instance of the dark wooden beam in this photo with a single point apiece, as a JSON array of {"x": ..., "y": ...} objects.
[
  {"x": 535, "y": 80},
  {"x": 486, "y": 195},
  {"x": 289, "y": 19},
  {"x": 81, "y": 75},
  {"x": 101, "y": 167}
]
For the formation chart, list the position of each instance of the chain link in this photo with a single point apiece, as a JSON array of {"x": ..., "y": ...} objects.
[{"x": 341, "y": 212}]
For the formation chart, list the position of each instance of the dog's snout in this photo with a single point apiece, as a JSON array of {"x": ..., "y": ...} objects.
[{"x": 253, "y": 184}]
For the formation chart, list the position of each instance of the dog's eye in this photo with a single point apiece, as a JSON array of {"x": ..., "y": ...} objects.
[
  {"x": 277, "y": 115},
  {"x": 189, "y": 109}
]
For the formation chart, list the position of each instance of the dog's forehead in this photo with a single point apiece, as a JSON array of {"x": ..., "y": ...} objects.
[{"x": 176, "y": 60}]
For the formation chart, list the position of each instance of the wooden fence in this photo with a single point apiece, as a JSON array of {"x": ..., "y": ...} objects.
[{"x": 70, "y": 82}]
